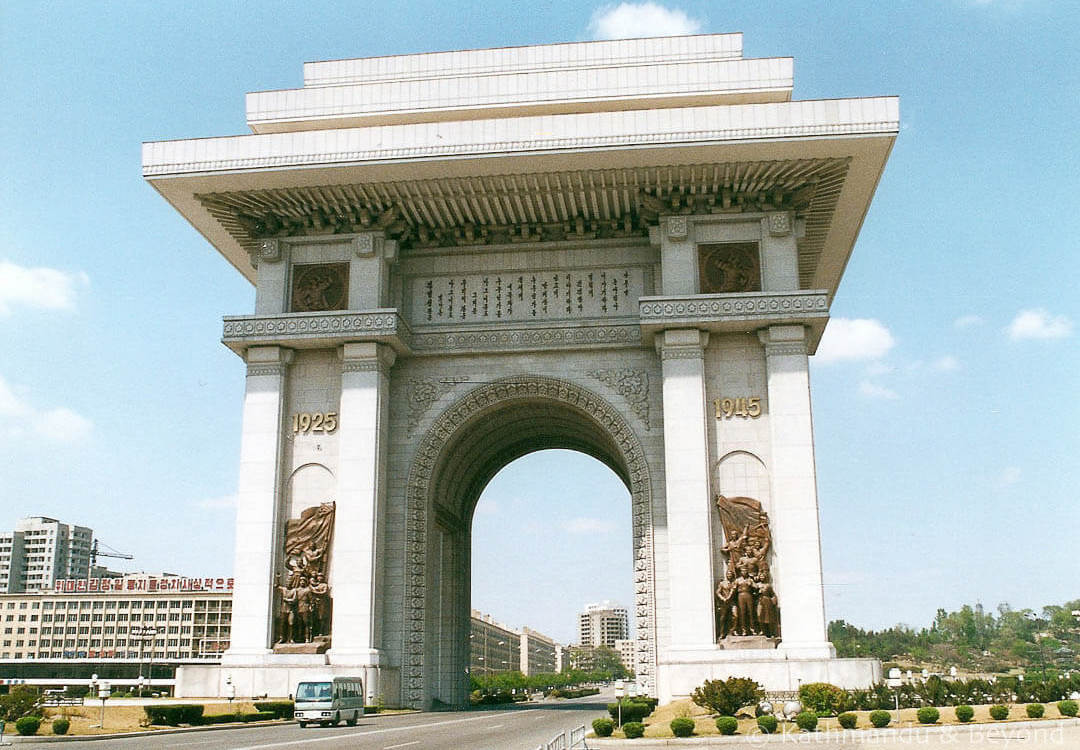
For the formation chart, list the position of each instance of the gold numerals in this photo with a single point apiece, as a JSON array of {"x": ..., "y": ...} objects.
[
  {"x": 747, "y": 408},
  {"x": 305, "y": 422}
]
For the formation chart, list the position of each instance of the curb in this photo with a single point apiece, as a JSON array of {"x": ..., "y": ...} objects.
[
  {"x": 149, "y": 733},
  {"x": 844, "y": 736}
]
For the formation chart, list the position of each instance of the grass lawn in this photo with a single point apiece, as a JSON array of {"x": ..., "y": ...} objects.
[{"x": 120, "y": 718}]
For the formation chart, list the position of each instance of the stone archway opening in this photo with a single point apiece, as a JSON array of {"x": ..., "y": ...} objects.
[{"x": 469, "y": 444}]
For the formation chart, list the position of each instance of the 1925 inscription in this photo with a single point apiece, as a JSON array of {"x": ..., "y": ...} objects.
[{"x": 304, "y": 422}]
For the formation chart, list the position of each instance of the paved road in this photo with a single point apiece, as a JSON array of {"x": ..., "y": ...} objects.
[{"x": 516, "y": 727}]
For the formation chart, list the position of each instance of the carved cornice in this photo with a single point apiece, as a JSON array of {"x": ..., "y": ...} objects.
[
  {"x": 255, "y": 370},
  {"x": 316, "y": 330},
  {"x": 513, "y": 338},
  {"x": 681, "y": 352},
  {"x": 792, "y": 347},
  {"x": 419, "y": 501},
  {"x": 736, "y": 313}
]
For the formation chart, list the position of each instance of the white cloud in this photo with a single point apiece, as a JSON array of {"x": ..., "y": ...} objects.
[
  {"x": 57, "y": 425},
  {"x": 222, "y": 502},
  {"x": 879, "y": 368},
  {"x": 587, "y": 526},
  {"x": 1038, "y": 323},
  {"x": 967, "y": 321},
  {"x": 41, "y": 288},
  {"x": 1009, "y": 475},
  {"x": 631, "y": 20},
  {"x": 873, "y": 390},
  {"x": 946, "y": 363},
  {"x": 854, "y": 339}
]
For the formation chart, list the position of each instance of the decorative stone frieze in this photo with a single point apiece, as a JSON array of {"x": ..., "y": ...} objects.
[
  {"x": 678, "y": 228},
  {"x": 501, "y": 339},
  {"x": 632, "y": 385},
  {"x": 780, "y": 223},
  {"x": 418, "y": 489},
  {"x": 422, "y": 393}
]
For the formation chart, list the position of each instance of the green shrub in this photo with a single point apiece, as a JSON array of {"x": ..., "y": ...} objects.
[
  {"x": 965, "y": 713},
  {"x": 726, "y": 697},
  {"x": 175, "y": 714},
  {"x": 257, "y": 716},
  {"x": 632, "y": 710},
  {"x": 603, "y": 727},
  {"x": 848, "y": 720},
  {"x": 727, "y": 724},
  {"x": 682, "y": 727},
  {"x": 1035, "y": 710},
  {"x": 999, "y": 712},
  {"x": 61, "y": 726},
  {"x": 880, "y": 718},
  {"x": 767, "y": 723},
  {"x": 280, "y": 709},
  {"x": 928, "y": 715},
  {"x": 1067, "y": 707},
  {"x": 823, "y": 698},
  {"x": 633, "y": 729},
  {"x": 27, "y": 725},
  {"x": 208, "y": 719},
  {"x": 807, "y": 721}
]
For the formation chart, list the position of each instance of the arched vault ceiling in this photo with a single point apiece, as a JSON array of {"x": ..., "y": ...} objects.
[
  {"x": 494, "y": 438},
  {"x": 469, "y": 211}
]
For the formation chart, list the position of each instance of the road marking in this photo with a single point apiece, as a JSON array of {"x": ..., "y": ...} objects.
[
  {"x": 339, "y": 737},
  {"x": 403, "y": 744},
  {"x": 497, "y": 726}
]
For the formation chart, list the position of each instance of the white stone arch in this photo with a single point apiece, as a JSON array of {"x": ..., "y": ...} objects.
[{"x": 613, "y": 442}]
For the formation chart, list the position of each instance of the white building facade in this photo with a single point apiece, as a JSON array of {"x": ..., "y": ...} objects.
[
  {"x": 41, "y": 550},
  {"x": 602, "y": 624},
  {"x": 627, "y": 248}
]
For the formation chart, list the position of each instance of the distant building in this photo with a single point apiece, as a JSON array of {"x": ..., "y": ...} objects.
[
  {"x": 41, "y": 550},
  {"x": 495, "y": 647},
  {"x": 625, "y": 647},
  {"x": 80, "y": 627},
  {"x": 602, "y": 624}
]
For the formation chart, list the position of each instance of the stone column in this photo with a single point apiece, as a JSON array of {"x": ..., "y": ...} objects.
[
  {"x": 258, "y": 512},
  {"x": 678, "y": 257},
  {"x": 356, "y": 559},
  {"x": 687, "y": 491},
  {"x": 794, "y": 516}
]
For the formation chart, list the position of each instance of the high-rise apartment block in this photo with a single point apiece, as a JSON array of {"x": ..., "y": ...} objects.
[
  {"x": 41, "y": 550},
  {"x": 603, "y": 623}
]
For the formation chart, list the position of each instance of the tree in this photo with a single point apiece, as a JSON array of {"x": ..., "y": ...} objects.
[
  {"x": 21, "y": 701},
  {"x": 725, "y": 697}
]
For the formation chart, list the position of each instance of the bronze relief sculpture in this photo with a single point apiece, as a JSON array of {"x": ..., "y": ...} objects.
[
  {"x": 304, "y": 599},
  {"x": 746, "y": 604}
]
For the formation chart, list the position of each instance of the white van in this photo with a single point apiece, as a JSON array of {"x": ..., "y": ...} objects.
[{"x": 329, "y": 700}]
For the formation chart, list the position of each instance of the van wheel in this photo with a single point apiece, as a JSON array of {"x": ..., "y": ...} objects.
[
  {"x": 352, "y": 722},
  {"x": 303, "y": 725}
]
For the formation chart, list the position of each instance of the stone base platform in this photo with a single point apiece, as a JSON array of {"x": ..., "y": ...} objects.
[
  {"x": 775, "y": 669},
  {"x": 279, "y": 680}
]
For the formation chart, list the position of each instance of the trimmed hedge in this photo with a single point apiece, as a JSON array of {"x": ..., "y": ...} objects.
[
  {"x": 603, "y": 727},
  {"x": 848, "y": 720},
  {"x": 175, "y": 714},
  {"x": 1067, "y": 707},
  {"x": 280, "y": 709},
  {"x": 999, "y": 712},
  {"x": 632, "y": 710},
  {"x": 575, "y": 693},
  {"x": 880, "y": 718},
  {"x": 767, "y": 723},
  {"x": 965, "y": 714},
  {"x": 682, "y": 727},
  {"x": 824, "y": 699},
  {"x": 61, "y": 726},
  {"x": 27, "y": 725},
  {"x": 1035, "y": 710},
  {"x": 928, "y": 715},
  {"x": 727, "y": 724},
  {"x": 633, "y": 729},
  {"x": 807, "y": 721}
]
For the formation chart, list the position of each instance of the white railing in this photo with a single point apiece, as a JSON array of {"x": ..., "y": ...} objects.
[{"x": 567, "y": 740}]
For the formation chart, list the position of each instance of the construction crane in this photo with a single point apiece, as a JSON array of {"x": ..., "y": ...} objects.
[{"x": 95, "y": 553}]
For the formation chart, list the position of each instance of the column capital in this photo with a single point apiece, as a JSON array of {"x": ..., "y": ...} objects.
[
  {"x": 780, "y": 340},
  {"x": 367, "y": 356},
  {"x": 267, "y": 360},
  {"x": 682, "y": 343}
]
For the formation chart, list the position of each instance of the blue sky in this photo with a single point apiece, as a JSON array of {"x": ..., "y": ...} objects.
[{"x": 947, "y": 417}]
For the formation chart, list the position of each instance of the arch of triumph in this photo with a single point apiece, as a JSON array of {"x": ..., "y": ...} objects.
[{"x": 626, "y": 248}]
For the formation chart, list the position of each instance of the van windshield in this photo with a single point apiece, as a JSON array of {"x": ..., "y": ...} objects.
[{"x": 313, "y": 692}]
